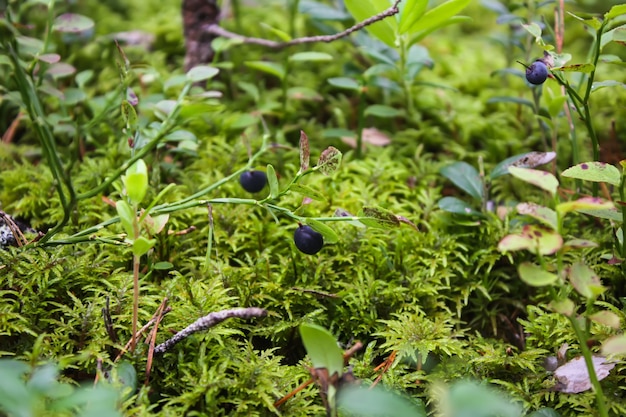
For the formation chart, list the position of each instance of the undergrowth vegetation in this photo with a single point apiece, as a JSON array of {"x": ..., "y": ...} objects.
[{"x": 471, "y": 221}]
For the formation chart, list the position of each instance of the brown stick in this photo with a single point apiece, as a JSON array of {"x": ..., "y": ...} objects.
[{"x": 215, "y": 29}]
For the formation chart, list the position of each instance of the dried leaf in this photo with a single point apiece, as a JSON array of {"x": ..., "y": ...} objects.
[{"x": 574, "y": 378}]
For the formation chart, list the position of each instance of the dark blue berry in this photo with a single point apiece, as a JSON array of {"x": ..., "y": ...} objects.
[
  {"x": 537, "y": 73},
  {"x": 308, "y": 240},
  {"x": 253, "y": 181}
]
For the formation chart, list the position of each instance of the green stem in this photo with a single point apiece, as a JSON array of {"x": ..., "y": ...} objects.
[
  {"x": 582, "y": 340},
  {"x": 360, "y": 124}
]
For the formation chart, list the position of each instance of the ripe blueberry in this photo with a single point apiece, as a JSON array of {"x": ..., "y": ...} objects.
[
  {"x": 537, "y": 72},
  {"x": 253, "y": 181},
  {"x": 308, "y": 240}
]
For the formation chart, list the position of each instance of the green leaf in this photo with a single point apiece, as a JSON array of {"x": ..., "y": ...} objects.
[
  {"x": 608, "y": 83},
  {"x": 310, "y": 56},
  {"x": 515, "y": 100},
  {"x": 141, "y": 245},
  {"x": 438, "y": 17},
  {"x": 378, "y": 217},
  {"x": 72, "y": 23},
  {"x": 541, "y": 179},
  {"x": 127, "y": 217},
  {"x": 565, "y": 306},
  {"x": 129, "y": 115},
  {"x": 606, "y": 318},
  {"x": 136, "y": 181},
  {"x": 584, "y": 203},
  {"x": 534, "y": 29},
  {"x": 271, "y": 68},
  {"x": 381, "y": 110},
  {"x": 307, "y": 191},
  {"x": 617, "y": 10},
  {"x": 456, "y": 206},
  {"x": 201, "y": 73},
  {"x": 585, "y": 281},
  {"x": 545, "y": 215},
  {"x": 464, "y": 176},
  {"x": 536, "y": 276},
  {"x": 533, "y": 238},
  {"x": 163, "y": 265},
  {"x": 586, "y": 68},
  {"x": 345, "y": 82},
  {"x": 411, "y": 11},
  {"x": 366, "y": 402},
  {"x": 361, "y": 10},
  {"x": 610, "y": 214},
  {"x": 272, "y": 180},
  {"x": 327, "y": 233},
  {"x": 322, "y": 348},
  {"x": 594, "y": 171},
  {"x": 544, "y": 412},
  {"x": 615, "y": 345}
]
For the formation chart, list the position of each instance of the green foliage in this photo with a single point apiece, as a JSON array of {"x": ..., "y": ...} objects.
[{"x": 423, "y": 285}]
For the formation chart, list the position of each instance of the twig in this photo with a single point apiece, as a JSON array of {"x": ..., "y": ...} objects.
[
  {"x": 215, "y": 29},
  {"x": 152, "y": 338},
  {"x": 209, "y": 321},
  {"x": 140, "y": 332}
]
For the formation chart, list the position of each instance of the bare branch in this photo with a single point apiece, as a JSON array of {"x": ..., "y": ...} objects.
[
  {"x": 209, "y": 321},
  {"x": 217, "y": 30}
]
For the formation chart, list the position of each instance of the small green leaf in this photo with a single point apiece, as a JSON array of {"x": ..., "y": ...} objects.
[
  {"x": 586, "y": 68},
  {"x": 454, "y": 205},
  {"x": 544, "y": 412},
  {"x": 411, "y": 11},
  {"x": 162, "y": 266},
  {"x": 322, "y": 348},
  {"x": 606, "y": 318},
  {"x": 608, "y": 83},
  {"x": 545, "y": 215},
  {"x": 610, "y": 214},
  {"x": 464, "y": 176},
  {"x": 327, "y": 233},
  {"x": 515, "y": 100},
  {"x": 271, "y": 68},
  {"x": 585, "y": 281},
  {"x": 272, "y": 180},
  {"x": 307, "y": 191},
  {"x": 585, "y": 203},
  {"x": 536, "y": 276},
  {"x": 438, "y": 16},
  {"x": 534, "y": 238},
  {"x": 367, "y": 402},
  {"x": 141, "y": 245},
  {"x": 541, "y": 179},
  {"x": 378, "y": 217},
  {"x": 615, "y": 345},
  {"x": 617, "y": 34},
  {"x": 329, "y": 161},
  {"x": 381, "y": 110},
  {"x": 565, "y": 307},
  {"x": 136, "y": 181},
  {"x": 594, "y": 171},
  {"x": 127, "y": 217},
  {"x": 534, "y": 29},
  {"x": 201, "y": 73},
  {"x": 345, "y": 82},
  {"x": 72, "y": 23},
  {"x": 384, "y": 29},
  {"x": 615, "y": 11},
  {"x": 129, "y": 115},
  {"x": 310, "y": 56}
]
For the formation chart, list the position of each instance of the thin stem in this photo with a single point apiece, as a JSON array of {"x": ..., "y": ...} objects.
[
  {"x": 582, "y": 341},
  {"x": 136, "y": 264}
]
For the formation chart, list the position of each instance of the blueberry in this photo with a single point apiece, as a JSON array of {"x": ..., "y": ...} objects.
[
  {"x": 308, "y": 240},
  {"x": 537, "y": 73},
  {"x": 253, "y": 181}
]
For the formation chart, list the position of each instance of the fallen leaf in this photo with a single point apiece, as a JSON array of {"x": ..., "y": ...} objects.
[
  {"x": 371, "y": 136},
  {"x": 574, "y": 378}
]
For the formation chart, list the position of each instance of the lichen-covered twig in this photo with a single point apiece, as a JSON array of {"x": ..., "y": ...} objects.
[
  {"x": 216, "y": 30},
  {"x": 209, "y": 321}
]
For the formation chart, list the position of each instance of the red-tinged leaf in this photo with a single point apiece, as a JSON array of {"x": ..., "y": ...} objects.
[
  {"x": 594, "y": 171},
  {"x": 585, "y": 203},
  {"x": 305, "y": 154},
  {"x": 534, "y": 238},
  {"x": 545, "y": 215}
]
